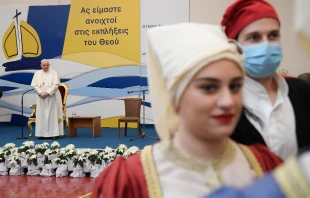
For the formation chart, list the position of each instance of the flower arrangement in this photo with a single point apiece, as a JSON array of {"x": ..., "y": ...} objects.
[
  {"x": 108, "y": 150},
  {"x": 41, "y": 148},
  {"x": 121, "y": 149},
  {"x": 132, "y": 150},
  {"x": 78, "y": 160},
  {"x": 60, "y": 161},
  {"x": 55, "y": 145},
  {"x": 32, "y": 160},
  {"x": 111, "y": 157},
  {"x": 93, "y": 156},
  {"x": 70, "y": 151},
  {"x": 62, "y": 157},
  {"x": 2, "y": 159},
  {"x": 82, "y": 160},
  {"x": 49, "y": 152},
  {"x": 9, "y": 148},
  {"x": 31, "y": 152},
  {"x": 14, "y": 160},
  {"x": 26, "y": 146}
]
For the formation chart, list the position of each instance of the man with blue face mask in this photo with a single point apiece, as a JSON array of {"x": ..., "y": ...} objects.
[{"x": 276, "y": 110}]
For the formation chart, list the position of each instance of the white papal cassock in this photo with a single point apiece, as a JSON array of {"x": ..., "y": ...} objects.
[{"x": 49, "y": 120}]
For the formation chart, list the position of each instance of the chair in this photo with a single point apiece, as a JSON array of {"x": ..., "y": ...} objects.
[
  {"x": 132, "y": 114},
  {"x": 64, "y": 91}
]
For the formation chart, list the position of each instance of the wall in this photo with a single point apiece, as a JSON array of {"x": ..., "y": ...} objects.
[
  {"x": 296, "y": 49},
  {"x": 99, "y": 75},
  {"x": 296, "y": 53}
]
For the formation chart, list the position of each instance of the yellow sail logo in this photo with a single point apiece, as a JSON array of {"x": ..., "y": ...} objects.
[{"x": 21, "y": 38}]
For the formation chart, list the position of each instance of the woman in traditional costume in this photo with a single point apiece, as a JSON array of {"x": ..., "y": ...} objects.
[
  {"x": 277, "y": 111},
  {"x": 195, "y": 78}
]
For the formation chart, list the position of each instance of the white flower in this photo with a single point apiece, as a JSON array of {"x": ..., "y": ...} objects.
[
  {"x": 112, "y": 155},
  {"x": 29, "y": 143},
  {"x": 1, "y": 151},
  {"x": 122, "y": 147},
  {"x": 134, "y": 149},
  {"x": 127, "y": 153},
  {"x": 101, "y": 154},
  {"x": 55, "y": 145},
  {"x": 14, "y": 150},
  {"x": 87, "y": 150},
  {"x": 33, "y": 157},
  {"x": 94, "y": 152},
  {"x": 42, "y": 146},
  {"x": 22, "y": 147},
  {"x": 62, "y": 151},
  {"x": 81, "y": 158},
  {"x": 70, "y": 146},
  {"x": 79, "y": 152},
  {"x": 108, "y": 149},
  {"x": 9, "y": 146},
  {"x": 30, "y": 151},
  {"x": 48, "y": 152},
  {"x": 45, "y": 144},
  {"x": 70, "y": 152}
]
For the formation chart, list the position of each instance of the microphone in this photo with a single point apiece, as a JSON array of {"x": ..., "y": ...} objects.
[
  {"x": 23, "y": 137},
  {"x": 28, "y": 91}
]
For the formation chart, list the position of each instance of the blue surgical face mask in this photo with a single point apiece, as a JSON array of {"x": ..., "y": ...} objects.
[{"x": 263, "y": 59}]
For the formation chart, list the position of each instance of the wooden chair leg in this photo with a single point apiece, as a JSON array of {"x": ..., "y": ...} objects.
[
  {"x": 125, "y": 133},
  {"x": 119, "y": 128}
]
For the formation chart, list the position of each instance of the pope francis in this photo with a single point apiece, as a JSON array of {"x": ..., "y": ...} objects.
[{"x": 49, "y": 122}]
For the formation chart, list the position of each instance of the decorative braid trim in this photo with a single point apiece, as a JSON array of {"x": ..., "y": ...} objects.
[
  {"x": 252, "y": 160},
  {"x": 291, "y": 180},
  {"x": 150, "y": 172}
]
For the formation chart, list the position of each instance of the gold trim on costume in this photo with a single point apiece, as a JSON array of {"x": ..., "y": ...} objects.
[
  {"x": 252, "y": 160},
  {"x": 87, "y": 195},
  {"x": 291, "y": 180},
  {"x": 173, "y": 155},
  {"x": 150, "y": 172}
]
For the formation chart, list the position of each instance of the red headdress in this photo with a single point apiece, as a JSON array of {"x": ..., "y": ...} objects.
[{"x": 243, "y": 12}]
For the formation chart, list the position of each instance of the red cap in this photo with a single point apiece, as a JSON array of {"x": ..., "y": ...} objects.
[{"x": 243, "y": 12}]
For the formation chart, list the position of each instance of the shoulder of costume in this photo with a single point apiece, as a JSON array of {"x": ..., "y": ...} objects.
[
  {"x": 261, "y": 158},
  {"x": 298, "y": 86},
  {"x": 292, "y": 180},
  {"x": 264, "y": 151},
  {"x": 297, "y": 83}
]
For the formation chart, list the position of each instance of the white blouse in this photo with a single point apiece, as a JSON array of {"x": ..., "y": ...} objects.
[
  {"x": 177, "y": 181},
  {"x": 278, "y": 120}
]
